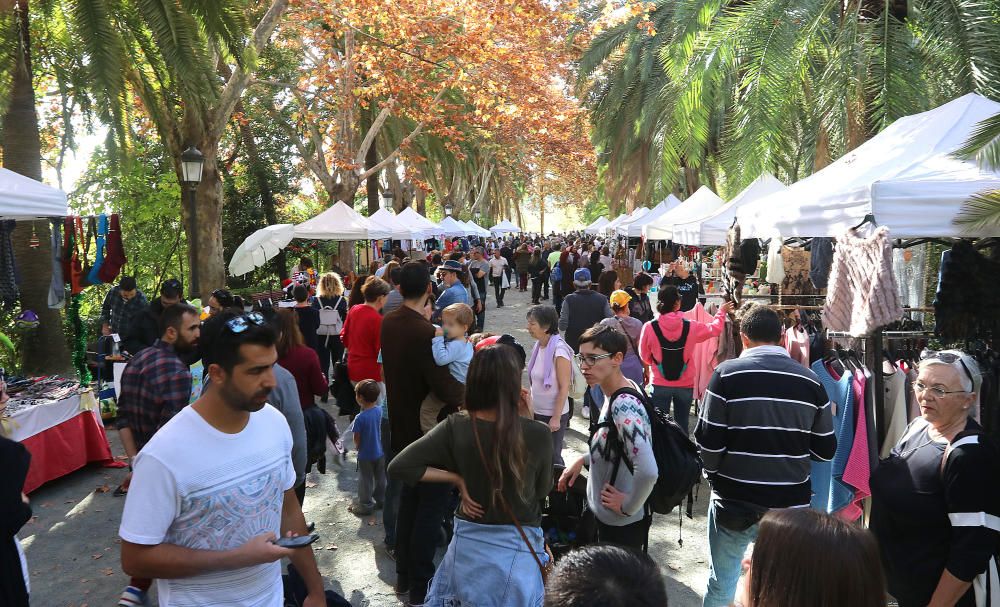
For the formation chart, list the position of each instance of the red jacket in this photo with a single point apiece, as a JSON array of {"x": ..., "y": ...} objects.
[
  {"x": 362, "y": 336},
  {"x": 303, "y": 363}
]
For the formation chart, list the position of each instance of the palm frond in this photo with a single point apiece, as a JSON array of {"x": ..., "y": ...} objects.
[
  {"x": 981, "y": 211},
  {"x": 984, "y": 144}
]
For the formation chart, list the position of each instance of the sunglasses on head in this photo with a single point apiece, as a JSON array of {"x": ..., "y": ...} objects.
[
  {"x": 240, "y": 324},
  {"x": 948, "y": 358}
]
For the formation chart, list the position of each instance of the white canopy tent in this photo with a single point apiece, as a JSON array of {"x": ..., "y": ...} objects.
[
  {"x": 417, "y": 223},
  {"x": 634, "y": 229},
  {"x": 905, "y": 177},
  {"x": 596, "y": 225},
  {"x": 611, "y": 225},
  {"x": 387, "y": 221},
  {"x": 505, "y": 227},
  {"x": 701, "y": 203},
  {"x": 612, "y": 228},
  {"x": 340, "y": 222},
  {"x": 711, "y": 230},
  {"x": 451, "y": 227},
  {"x": 24, "y": 198},
  {"x": 477, "y": 229}
]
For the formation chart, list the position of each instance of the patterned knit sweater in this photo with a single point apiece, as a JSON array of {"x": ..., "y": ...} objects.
[
  {"x": 862, "y": 294},
  {"x": 630, "y": 419}
]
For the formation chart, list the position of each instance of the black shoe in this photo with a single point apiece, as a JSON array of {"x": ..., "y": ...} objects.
[{"x": 401, "y": 587}]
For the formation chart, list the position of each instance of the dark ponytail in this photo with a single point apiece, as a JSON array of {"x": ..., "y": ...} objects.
[{"x": 667, "y": 298}]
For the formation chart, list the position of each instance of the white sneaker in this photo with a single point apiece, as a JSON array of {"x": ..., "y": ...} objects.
[{"x": 585, "y": 411}]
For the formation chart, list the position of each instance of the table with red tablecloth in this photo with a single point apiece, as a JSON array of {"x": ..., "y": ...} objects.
[{"x": 62, "y": 435}]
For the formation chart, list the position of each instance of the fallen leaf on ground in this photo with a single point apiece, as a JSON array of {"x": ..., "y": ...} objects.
[
  {"x": 330, "y": 548},
  {"x": 104, "y": 489},
  {"x": 310, "y": 485},
  {"x": 96, "y": 556},
  {"x": 371, "y": 523},
  {"x": 108, "y": 571}
]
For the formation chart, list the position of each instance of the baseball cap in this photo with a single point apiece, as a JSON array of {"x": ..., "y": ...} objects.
[
  {"x": 620, "y": 299},
  {"x": 582, "y": 275}
]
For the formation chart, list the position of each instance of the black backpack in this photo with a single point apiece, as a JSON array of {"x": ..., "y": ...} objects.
[
  {"x": 677, "y": 458},
  {"x": 672, "y": 365}
]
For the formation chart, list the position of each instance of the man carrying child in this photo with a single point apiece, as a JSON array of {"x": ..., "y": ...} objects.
[{"x": 452, "y": 349}]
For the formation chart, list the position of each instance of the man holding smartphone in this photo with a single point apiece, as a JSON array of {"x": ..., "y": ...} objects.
[{"x": 213, "y": 490}]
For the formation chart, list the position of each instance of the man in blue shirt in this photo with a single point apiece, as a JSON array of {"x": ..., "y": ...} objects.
[{"x": 454, "y": 292}]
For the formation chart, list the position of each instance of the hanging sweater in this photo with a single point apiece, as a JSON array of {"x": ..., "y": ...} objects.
[
  {"x": 672, "y": 325},
  {"x": 862, "y": 293}
]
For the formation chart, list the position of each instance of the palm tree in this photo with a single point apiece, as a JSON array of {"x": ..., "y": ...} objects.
[{"x": 778, "y": 85}]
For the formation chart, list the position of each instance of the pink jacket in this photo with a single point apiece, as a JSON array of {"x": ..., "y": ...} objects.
[{"x": 671, "y": 325}]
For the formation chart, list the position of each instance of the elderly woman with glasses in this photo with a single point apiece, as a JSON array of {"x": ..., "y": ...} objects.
[
  {"x": 622, "y": 465},
  {"x": 936, "y": 498}
]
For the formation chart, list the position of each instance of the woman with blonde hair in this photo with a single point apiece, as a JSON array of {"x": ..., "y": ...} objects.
[{"x": 330, "y": 297}]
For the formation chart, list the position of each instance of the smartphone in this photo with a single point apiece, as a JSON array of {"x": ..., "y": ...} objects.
[{"x": 296, "y": 542}]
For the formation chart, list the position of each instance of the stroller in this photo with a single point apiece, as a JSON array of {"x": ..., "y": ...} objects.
[{"x": 566, "y": 521}]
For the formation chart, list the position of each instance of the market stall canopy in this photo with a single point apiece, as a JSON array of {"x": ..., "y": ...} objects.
[
  {"x": 633, "y": 229},
  {"x": 384, "y": 220},
  {"x": 905, "y": 177},
  {"x": 612, "y": 228},
  {"x": 505, "y": 227},
  {"x": 425, "y": 228},
  {"x": 699, "y": 204},
  {"x": 711, "y": 230},
  {"x": 24, "y": 198},
  {"x": 451, "y": 227},
  {"x": 611, "y": 225},
  {"x": 475, "y": 230},
  {"x": 339, "y": 222},
  {"x": 597, "y": 224},
  {"x": 260, "y": 247}
]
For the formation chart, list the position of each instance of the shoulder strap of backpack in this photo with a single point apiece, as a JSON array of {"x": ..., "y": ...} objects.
[{"x": 617, "y": 444}]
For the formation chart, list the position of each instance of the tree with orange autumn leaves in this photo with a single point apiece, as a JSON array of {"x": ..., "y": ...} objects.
[{"x": 465, "y": 98}]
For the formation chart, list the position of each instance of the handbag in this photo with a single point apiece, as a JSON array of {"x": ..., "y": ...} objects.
[
  {"x": 543, "y": 568},
  {"x": 343, "y": 391}
]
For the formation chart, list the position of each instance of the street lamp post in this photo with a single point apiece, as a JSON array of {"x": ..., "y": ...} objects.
[
  {"x": 192, "y": 165},
  {"x": 386, "y": 199},
  {"x": 448, "y": 209}
]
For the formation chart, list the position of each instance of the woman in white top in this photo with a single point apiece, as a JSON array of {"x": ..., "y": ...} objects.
[{"x": 549, "y": 375}]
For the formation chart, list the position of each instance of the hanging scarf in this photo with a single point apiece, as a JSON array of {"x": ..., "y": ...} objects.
[
  {"x": 115, "y": 257},
  {"x": 57, "y": 286},
  {"x": 93, "y": 277},
  {"x": 9, "y": 293},
  {"x": 549, "y": 370}
]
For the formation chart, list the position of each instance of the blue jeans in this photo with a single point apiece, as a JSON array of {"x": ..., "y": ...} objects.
[
  {"x": 489, "y": 566},
  {"x": 681, "y": 397},
  {"x": 725, "y": 559}
]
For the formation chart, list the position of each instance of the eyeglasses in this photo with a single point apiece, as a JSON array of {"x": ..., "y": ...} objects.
[
  {"x": 948, "y": 358},
  {"x": 240, "y": 324},
  {"x": 589, "y": 360},
  {"x": 937, "y": 392}
]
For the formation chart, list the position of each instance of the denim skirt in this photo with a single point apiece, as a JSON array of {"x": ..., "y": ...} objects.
[{"x": 487, "y": 566}]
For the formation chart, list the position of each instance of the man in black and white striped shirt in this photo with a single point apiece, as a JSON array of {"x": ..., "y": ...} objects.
[{"x": 763, "y": 418}]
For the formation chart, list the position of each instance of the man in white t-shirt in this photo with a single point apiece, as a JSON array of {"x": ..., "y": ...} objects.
[
  {"x": 498, "y": 270},
  {"x": 213, "y": 488}
]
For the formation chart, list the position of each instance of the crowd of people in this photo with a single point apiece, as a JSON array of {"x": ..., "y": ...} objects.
[{"x": 451, "y": 446}]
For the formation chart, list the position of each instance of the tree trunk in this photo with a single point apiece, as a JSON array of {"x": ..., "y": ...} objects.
[
  {"x": 46, "y": 351},
  {"x": 205, "y": 254},
  {"x": 371, "y": 159},
  {"x": 822, "y": 157},
  {"x": 421, "y": 200}
]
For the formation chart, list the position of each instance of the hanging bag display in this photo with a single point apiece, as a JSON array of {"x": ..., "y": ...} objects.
[
  {"x": 672, "y": 364},
  {"x": 91, "y": 235},
  {"x": 115, "y": 258},
  {"x": 93, "y": 276}
]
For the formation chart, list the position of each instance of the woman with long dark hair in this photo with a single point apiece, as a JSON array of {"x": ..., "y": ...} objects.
[
  {"x": 608, "y": 283},
  {"x": 500, "y": 463},
  {"x": 805, "y": 557}
]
